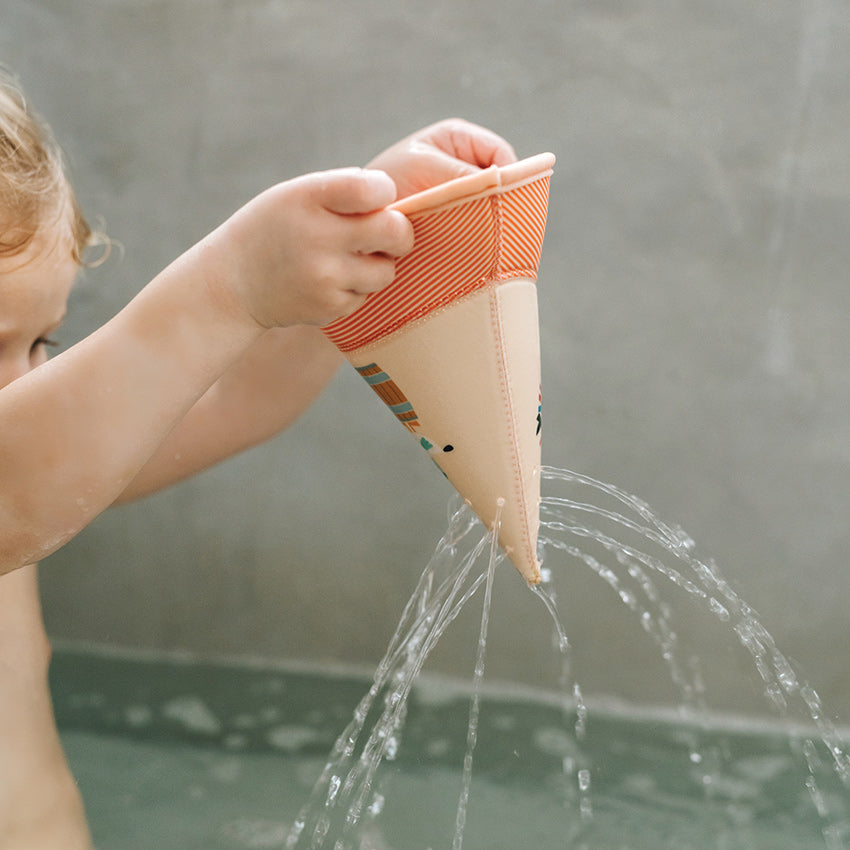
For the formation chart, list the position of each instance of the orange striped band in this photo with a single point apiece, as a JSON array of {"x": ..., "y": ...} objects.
[{"x": 457, "y": 250}]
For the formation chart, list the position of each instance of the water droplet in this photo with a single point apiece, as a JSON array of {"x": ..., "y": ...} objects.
[
  {"x": 817, "y": 797},
  {"x": 391, "y": 750},
  {"x": 628, "y": 598},
  {"x": 377, "y": 805},
  {"x": 719, "y": 610}
]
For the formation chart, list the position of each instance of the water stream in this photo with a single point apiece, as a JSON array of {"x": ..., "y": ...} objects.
[
  {"x": 345, "y": 790},
  {"x": 633, "y": 569},
  {"x": 653, "y": 569}
]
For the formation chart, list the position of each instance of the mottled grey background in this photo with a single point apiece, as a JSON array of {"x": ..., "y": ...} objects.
[{"x": 695, "y": 307}]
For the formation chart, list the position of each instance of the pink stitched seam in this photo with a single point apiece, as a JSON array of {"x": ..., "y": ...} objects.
[{"x": 496, "y": 322}]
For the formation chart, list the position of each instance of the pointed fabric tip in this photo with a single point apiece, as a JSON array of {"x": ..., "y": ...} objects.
[{"x": 452, "y": 344}]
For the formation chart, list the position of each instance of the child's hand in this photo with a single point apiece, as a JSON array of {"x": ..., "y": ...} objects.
[
  {"x": 309, "y": 250},
  {"x": 441, "y": 152}
]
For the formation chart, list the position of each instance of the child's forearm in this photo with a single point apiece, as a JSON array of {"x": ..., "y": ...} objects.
[
  {"x": 78, "y": 429},
  {"x": 263, "y": 393}
]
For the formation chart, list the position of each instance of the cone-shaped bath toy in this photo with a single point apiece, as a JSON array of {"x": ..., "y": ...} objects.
[{"x": 452, "y": 345}]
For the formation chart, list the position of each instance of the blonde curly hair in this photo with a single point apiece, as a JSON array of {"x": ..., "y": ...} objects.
[{"x": 35, "y": 195}]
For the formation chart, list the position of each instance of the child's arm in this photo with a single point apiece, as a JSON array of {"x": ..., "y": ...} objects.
[
  {"x": 77, "y": 430},
  {"x": 263, "y": 393},
  {"x": 286, "y": 369}
]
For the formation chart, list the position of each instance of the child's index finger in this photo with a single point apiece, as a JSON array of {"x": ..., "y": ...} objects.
[{"x": 355, "y": 191}]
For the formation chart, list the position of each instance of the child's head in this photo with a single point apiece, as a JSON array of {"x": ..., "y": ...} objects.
[
  {"x": 42, "y": 236},
  {"x": 36, "y": 200}
]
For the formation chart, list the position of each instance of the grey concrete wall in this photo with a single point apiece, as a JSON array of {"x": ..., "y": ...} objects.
[{"x": 695, "y": 307}]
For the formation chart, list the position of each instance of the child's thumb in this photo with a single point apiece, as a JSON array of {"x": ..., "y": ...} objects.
[{"x": 352, "y": 191}]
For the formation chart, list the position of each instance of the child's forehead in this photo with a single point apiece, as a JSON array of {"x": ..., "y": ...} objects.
[
  {"x": 49, "y": 248},
  {"x": 35, "y": 280}
]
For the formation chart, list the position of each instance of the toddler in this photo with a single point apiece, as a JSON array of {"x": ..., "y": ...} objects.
[{"x": 221, "y": 351}]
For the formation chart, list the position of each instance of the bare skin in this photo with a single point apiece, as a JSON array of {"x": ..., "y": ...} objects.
[
  {"x": 220, "y": 352},
  {"x": 78, "y": 429},
  {"x": 40, "y": 805}
]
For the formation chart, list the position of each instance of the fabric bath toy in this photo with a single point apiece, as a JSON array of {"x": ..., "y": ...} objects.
[{"x": 452, "y": 344}]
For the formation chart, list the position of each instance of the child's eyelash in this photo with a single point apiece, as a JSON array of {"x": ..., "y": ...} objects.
[{"x": 45, "y": 341}]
